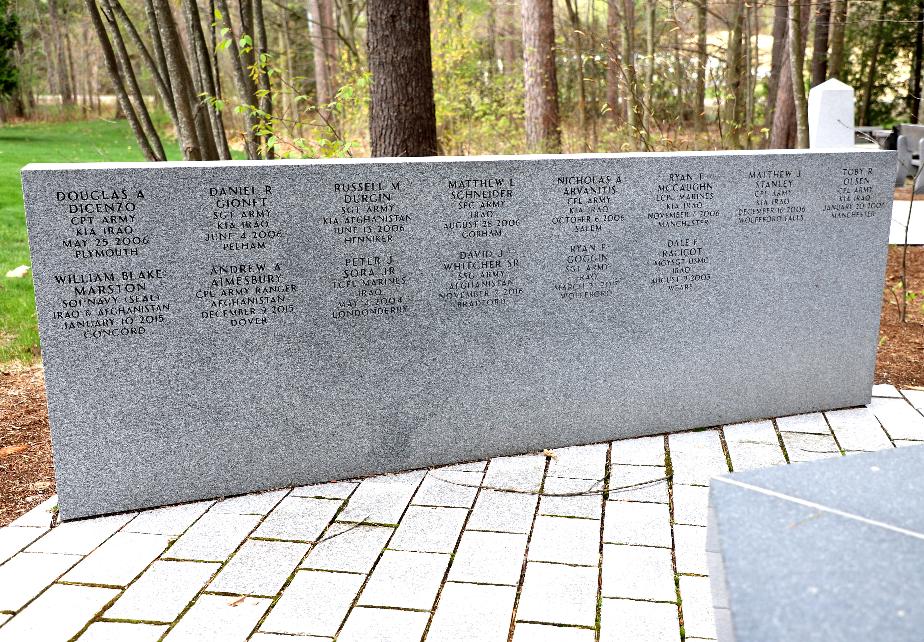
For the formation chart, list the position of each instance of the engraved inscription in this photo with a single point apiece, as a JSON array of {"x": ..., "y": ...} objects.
[
  {"x": 246, "y": 293},
  {"x": 687, "y": 203},
  {"x": 587, "y": 212},
  {"x": 854, "y": 197},
  {"x": 242, "y": 218},
  {"x": 107, "y": 304},
  {"x": 488, "y": 272},
  {"x": 368, "y": 281},
  {"x": 104, "y": 223},
  {"x": 773, "y": 191}
]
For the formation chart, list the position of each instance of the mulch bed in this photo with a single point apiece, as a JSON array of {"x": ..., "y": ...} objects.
[
  {"x": 27, "y": 473},
  {"x": 27, "y": 476},
  {"x": 900, "y": 360}
]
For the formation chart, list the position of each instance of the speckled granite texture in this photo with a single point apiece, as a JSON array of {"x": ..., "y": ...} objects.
[
  {"x": 830, "y": 550},
  {"x": 216, "y": 328}
]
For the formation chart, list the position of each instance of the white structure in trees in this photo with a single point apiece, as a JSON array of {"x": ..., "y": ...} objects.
[{"x": 830, "y": 114}]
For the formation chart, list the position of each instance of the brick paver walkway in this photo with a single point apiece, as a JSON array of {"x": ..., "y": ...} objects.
[{"x": 525, "y": 548}]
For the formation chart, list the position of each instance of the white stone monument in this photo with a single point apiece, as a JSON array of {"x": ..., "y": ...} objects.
[{"x": 830, "y": 114}]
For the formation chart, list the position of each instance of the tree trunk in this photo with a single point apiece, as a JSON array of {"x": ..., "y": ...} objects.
[
  {"x": 290, "y": 108},
  {"x": 207, "y": 82},
  {"x": 576, "y": 34},
  {"x": 135, "y": 94},
  {"x": 914, "y": 92},
  {"x": 491, "y": 43},
  {"x": 157, "y": 47},
  {"x": 177, "y": 72},
  {"x": 838, "y": 23},
  {"x": 245, "y": 20},
  {"x": 261, "y": 46},
  {"x": 509, "y": 39},
  {"x": 820, "y": 42},
  {"x": 162, "y": 87},
  {"x": 633, "y": 108},
  {"x": 873, "y": 66},
  {"x": 113, "y": 68},
  {"x": 317, "y": 29},
  {"x": 679, "y": 71},
  {"x": 777, "y": 56},
  {"x": 242, "y": 84},
  {"x": 71, "y": 76},
  {"x": 702, "y": 16},
  {"x": 752, "y": 38},
  {"x": 62, "y": 76},
  {"x": 543, "y": 132},
  {"x": 402, "y": 114},
  {"x": 613, "y": 72},
  {"x": 734, "y": 103},
  {"x": 650, "y": 27},
  {"x": 796, "y": 61},
  {"x": 783, "y": 132}
]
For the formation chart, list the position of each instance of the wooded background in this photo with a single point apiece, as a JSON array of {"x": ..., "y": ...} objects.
[{"x": 321, "y": 78}]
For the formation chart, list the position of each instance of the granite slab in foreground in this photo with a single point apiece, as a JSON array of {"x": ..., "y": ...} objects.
[
  {"x": 829, "y": 550},
  {"x": 210, "y": 329}
]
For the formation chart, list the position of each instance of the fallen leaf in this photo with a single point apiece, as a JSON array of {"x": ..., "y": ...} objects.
[
  {"x": 41, "y": 485},
  {"x": 239, "y": 600},
  {"x": 12, "y": 450},
  {"x": 548, "y": 452}
]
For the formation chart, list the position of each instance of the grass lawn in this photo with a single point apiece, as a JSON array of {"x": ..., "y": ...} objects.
[{"x": 20, "y": 144}]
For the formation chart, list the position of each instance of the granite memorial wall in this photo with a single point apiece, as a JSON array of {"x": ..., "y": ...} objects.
[{"x": 210, "y": 329}]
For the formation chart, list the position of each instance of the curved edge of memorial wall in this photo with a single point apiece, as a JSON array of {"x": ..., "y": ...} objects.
[{"x": 216, "y": 328}]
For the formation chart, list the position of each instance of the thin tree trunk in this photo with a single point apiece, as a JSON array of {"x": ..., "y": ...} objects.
[
  {"x": 131, "y": 82},
  {"x": 733, "y": 72},
  {"x": 48, "y": 48},
  {"x": 796, "y": 61},
  {"x": 242, "y": 84},
  {"x": 509, "y": 52},
  {"x": 701, "y": 62},
  {"x": 678, "y": 65},
  {"x": 914, "y": 91},
  {"x": 613, "y": 71},
  {"x": 838, "y": 23},
  {"x": 873, "y": 67},
  {"x": 593, "y": 108},
  {"x": 263, "y": 79},
  {"x": 543, "y": 132},
  {"x": 113, "y": 69},
  {"x": 204, "y": 71},
  {"x": 245, "y": 20},
  {"x": 633, "y": 108},
  {"x": 317, "y": 29},
  {"x": 820, "y": 42},
  {"x": 752, "y": 38},
  {"x": 491, "y": 44},
  {"x": 186, "y": 121},
  {"x": 63, "y": 80},
  {"x": 783, "y": 133},
  {"x": 159, "y": 83},
  {"x": 71, "y": 76},
  {"x": 576, "y": 34},
  {"x": 402, "y": 114},
  {"x": 158, "y": 56},
  {"x": 777, "y": 56},
  {"x": 651, "y": 8},
  {"x": 289, "y": 107}
]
